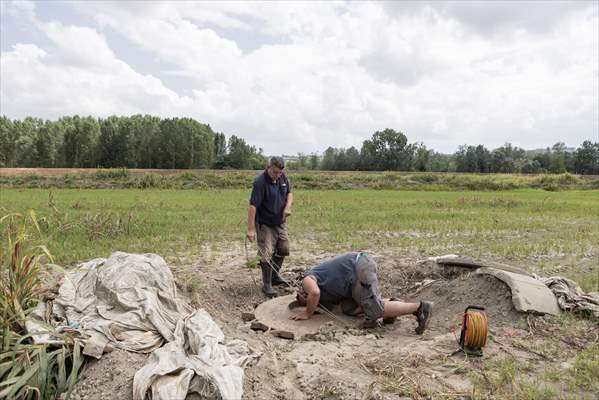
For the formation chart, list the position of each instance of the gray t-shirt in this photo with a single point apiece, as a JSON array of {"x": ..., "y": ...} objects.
[
  {"x": 336, "y": 277},
  {"x": 351, "y": 277}
]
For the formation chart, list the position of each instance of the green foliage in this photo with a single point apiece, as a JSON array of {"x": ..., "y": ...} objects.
[
  {"x": 19, "y": 270},
  {"x": 144, "y": 141},
  {"x": 493, "y": 225},
  {"x": 27, "y": 370},
  {"x": 118, "y": 173},
  {"x": 505, "y": 379},
  {"x": 585, "y": 369},
  {"x": 124, "y": 178}
]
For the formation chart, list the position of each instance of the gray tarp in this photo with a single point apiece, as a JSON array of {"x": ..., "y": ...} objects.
[{"x": 130, "y": 301}]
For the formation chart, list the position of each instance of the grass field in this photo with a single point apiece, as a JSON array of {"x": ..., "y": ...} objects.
[{"x": 545, "y": 232}]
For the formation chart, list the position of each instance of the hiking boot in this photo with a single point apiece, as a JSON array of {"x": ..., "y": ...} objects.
[
  {"x": 266, "y": 280},
  {"x": 277, "y": 263},
  {"x": 423, "y": 315}
]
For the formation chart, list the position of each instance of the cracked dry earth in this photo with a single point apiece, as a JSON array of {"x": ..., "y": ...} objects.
[{"x": 388, "y": 362}]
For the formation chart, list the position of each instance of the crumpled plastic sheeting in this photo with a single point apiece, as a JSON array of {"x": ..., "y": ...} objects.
[
  {"x": 197, "y": 362},
  {"x": 570, "y": 296},
  {"x": 130, "y": 300}
]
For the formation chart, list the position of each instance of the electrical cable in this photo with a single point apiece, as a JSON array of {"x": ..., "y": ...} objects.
[{"x": 473, "y": 335}]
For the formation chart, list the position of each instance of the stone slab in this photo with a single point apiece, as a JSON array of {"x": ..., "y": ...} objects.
[
  {"x": 466, "y": 262},
  {"x": 528, "y": 294},
  {"x": 275, "y": 314}
]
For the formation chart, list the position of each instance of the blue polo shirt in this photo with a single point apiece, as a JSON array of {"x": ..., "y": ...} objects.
[{"x": 269, "y": 198}]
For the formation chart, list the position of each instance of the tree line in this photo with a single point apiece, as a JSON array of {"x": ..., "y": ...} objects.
[
  {"x": 138, "y": 141},
  {"x": 389, "y": 150},
  {"x": 144, "y": 141}
]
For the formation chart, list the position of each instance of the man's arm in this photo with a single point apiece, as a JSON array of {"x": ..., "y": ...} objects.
[
  {"x": 288, "y": 203},
  {"x": 251, "y": 234},
  {"x": 313, "y": 296}
]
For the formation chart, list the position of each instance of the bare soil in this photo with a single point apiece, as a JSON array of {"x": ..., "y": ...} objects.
[{"x": 388, "y": 362}]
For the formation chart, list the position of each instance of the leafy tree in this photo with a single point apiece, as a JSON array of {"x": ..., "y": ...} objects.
[
  {"x": 314, "y": 161},
  {"x": 507, "y": 159},
  {"x": 544, "y": 160},
  {"x": 352, "y": 159},
  {"x": 80, "y": 138},
  {"x": 392, "y": 151},
  {"x": 368, "y": 156},
  {"x": 422, "y": 158},
  {"x": 220, "y": 148},
  {"x": 465, "y": 159},
  {"x": 302, "y": 161},
  {"x": 586, "y": 158},
  {"x": 8, "y": 143},
  {"x": 483, "y": 159},
  {"x": 44, "y": 147},
  {"x": 558, "y": 161},
  {"x": 239, "y": 153},
  {"x": 531, "y": 167},
  {"x": 328, "y": 159},
  {"x": 439, "y": 162}
]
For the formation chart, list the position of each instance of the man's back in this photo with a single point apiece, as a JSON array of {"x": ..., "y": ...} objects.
[{"x": 335, "y": 277}]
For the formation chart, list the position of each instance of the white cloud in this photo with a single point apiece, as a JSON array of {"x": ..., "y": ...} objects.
[
  {"x": 79, "y": 75},
  {"x": 341, "y": 72}
]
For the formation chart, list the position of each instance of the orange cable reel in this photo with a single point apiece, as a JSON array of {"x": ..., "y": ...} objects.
[{"x": 475, "y": 328}]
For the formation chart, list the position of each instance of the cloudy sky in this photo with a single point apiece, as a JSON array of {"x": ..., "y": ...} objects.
[{"x": 299, "y": 77}]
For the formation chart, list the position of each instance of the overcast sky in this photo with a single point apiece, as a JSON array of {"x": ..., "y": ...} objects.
[{"x": 299, "y": 77}]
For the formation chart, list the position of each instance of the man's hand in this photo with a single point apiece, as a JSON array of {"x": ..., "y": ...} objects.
[
  {"x": 300, "y": 316},
  {"x": 286, "y": 212},
  {"x": 251, "y": 235}
]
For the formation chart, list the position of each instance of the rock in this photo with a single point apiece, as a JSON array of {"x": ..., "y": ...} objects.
[
  {"x": 259, "y": 326},
  {"x": 247, "y": 316},
  {"x": 283, "y": 334}
]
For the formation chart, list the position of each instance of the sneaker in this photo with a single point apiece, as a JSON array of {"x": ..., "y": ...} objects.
[{"x": 423, "y": 315}]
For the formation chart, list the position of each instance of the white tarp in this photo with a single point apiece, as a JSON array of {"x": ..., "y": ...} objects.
[
  {"x": 570, "y": 296},
  {"x": 130, "y": 301}
]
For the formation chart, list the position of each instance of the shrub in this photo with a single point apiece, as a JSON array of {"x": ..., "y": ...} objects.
[{"x": 28, "y": 370}]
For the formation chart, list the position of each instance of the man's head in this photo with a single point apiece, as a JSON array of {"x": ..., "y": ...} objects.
[{"x": 275, "y": 168}]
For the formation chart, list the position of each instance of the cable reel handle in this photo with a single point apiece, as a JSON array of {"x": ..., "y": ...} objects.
[{"x": 474, "y": 308}]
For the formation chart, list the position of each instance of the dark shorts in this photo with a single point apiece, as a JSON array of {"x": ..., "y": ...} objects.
[
  {"x": 271, "y": 239},
  {"x": 366, "y": 292}
]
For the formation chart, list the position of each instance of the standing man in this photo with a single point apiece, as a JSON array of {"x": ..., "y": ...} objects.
[
  {"x": 270, "y": 205},
  {"x": 351, "y": 280}
]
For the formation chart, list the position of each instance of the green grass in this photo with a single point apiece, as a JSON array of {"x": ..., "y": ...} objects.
[{"x": 543, "y": 231}]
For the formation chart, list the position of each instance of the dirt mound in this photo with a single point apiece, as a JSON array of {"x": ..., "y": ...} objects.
[
  {"x": 111, "y": 377},
  {"x": 452, "y": 296}
]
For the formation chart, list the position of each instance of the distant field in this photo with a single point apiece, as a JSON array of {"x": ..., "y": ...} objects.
[
  {"x": 325, "y": 180},
  {"x": 545, "y": 232}
]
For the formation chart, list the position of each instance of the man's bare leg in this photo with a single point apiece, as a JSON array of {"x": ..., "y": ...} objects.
[{"x": 398, "y": 308}]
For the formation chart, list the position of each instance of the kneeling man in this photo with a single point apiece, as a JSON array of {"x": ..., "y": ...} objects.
[{"x": 351, "y": 280}]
